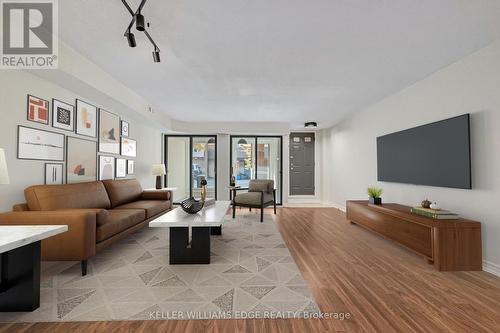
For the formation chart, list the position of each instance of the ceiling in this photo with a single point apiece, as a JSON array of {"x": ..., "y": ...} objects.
[{"x": 277, "y": 60}]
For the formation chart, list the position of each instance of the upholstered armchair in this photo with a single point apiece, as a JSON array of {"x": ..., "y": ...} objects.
[{"x": 261, "y": 193}]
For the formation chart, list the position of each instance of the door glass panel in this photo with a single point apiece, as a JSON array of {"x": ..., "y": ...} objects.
[
  {"x": 203, "y": 165},
  {"x": 243, "y": 160},
  {"x": 269, "y": 161},
  {"x": 178, "y": 166}
]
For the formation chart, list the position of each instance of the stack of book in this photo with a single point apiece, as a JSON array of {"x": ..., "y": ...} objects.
[{"x": 434, "y": 213}]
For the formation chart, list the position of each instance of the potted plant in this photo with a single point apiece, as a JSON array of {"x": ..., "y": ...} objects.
[{"x": 374, "y": 194}]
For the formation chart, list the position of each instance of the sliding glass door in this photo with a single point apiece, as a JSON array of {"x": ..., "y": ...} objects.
[
  {"x": 189, "y": 160},
  {"x": 257, "y": 157},
  {"x": 203, "y": 164}
]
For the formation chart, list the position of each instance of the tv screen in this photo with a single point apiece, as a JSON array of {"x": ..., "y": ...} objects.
[{"x": 436, "y": 154}]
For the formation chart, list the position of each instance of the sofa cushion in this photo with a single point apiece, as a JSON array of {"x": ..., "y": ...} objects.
[
  {"x": 151, "y": 207},
  {"x": 259, "y": 185},
  {"x": 68, "y": 196},
  {"x": 252, "y": 198},
  {"x": 117, "y": 221},
  {"x": 122, "y": 191},
  {"x": 101, "y": 214},
  {"x": 156, "y": 195}
]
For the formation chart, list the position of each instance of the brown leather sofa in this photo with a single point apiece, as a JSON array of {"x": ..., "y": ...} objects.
[{"x": 98, "y": 214}]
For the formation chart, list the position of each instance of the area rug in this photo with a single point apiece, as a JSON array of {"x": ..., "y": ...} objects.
[{"x": 252, "y": 275}]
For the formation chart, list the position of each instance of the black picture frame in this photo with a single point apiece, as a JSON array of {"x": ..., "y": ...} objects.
[
  {"x": 41, "y": 130},
  {"x": 73, "y": 117},
  {"x": 99, "y": 166},
  {"x": 128, "y": 167},
  {"x": 67, "y": 160},
  {"x": 116, "y": 167},
  {"x": 118, "y": 135},
  {"x": 122, "y": 127},
  {"x": 28, "y": 110},
  {"x": 96, "y": 118},
  {"x": 45, "y": 173},
  {"x": 121, "y": 147}
]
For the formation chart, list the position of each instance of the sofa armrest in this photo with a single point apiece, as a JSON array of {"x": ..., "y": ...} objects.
[
  {"x": 78, "y": 243},
  {"x": 156, "y": 195}
]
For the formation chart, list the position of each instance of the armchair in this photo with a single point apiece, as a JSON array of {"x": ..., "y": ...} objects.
[{"x": 261, "y": 193}]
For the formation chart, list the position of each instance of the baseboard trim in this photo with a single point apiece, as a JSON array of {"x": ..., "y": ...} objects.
[
  {"x": 336, "y": 205},
  {"x": 491, "y": 268}
]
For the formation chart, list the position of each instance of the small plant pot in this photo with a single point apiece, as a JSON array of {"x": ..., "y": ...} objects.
[{"x": 375, "y": 201}]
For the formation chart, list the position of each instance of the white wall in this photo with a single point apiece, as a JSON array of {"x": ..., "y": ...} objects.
[
  {"x": 471, "y": 85},
  {"x": 14, "y": 87}
]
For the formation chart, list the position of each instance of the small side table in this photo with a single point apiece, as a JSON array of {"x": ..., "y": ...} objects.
[
  {"x": 20, "y": 265},
  {"x": 231, "y": 188},
  {"x": 172, "y": 189}
]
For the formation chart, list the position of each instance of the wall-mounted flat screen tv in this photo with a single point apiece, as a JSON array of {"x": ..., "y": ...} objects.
[{"x": 436, "y": 154}]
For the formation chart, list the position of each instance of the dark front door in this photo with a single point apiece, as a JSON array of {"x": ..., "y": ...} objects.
[{"x": 302, "y": 164}]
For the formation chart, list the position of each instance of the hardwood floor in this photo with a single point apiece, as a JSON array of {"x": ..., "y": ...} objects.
[{"x": 383, "y": 286}]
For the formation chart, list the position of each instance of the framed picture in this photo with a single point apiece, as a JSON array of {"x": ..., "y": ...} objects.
[
  {"x": 129, "y": 147},
  {"x": 53, "y": 173},
  {"x": 63, "y": 115},
  {"x": 125, "y": 128},
  {"x": 109, "y": 129},
  {"x": 130, "y": 167},
  {"x": 121, "y": 168},
  {"x": 81, "y": 160},
  {"x": 38, "y": 110},
  {"x": 106, "y": 167},
  {"x": 35, "y": 144},
  {"x": 86, "y": 119}
]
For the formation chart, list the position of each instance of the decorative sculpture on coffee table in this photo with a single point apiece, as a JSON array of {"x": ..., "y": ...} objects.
[
  {"x": 203, "y": 189},
  {"x": 192, "y": 206}
]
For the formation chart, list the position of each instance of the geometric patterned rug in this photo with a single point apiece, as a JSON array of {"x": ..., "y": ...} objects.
[{"x": 251, "y": 274}]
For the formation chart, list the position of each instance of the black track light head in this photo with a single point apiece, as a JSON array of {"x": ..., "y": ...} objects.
[
  {"x": 130, "y": 39},
  {"x": 139, "y": 22},
  {"x": 156, "y": 55}
]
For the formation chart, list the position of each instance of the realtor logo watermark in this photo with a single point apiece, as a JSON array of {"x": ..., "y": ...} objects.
[{"x": 29, "y": 34}]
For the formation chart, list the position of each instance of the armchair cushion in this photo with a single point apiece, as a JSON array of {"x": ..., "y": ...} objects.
[
  {"x": 252, "y": 198},
  {"x": 259, "y": 185}
]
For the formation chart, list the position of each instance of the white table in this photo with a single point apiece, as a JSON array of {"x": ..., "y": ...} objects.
[
  {"x": 190, "y": 233},
  {"x": 172, "y": 189},
  {"x": 20, "y": 265}
]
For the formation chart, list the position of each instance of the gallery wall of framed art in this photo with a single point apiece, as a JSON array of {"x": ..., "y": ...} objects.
[
  {"x": 87, "y": 140},
  {"x": 17, "y": 85}
]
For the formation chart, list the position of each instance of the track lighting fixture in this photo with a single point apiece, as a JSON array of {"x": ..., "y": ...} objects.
[
  {"x": 156, "y": 55},
  {"x": 140, "y": 24},
  {"x": 130, "y": 39}
]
